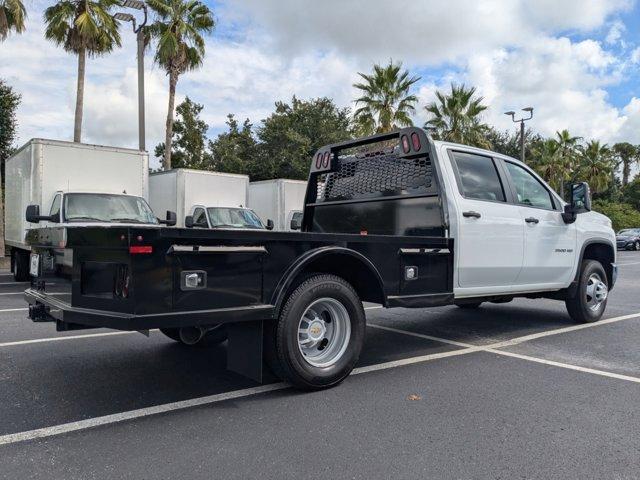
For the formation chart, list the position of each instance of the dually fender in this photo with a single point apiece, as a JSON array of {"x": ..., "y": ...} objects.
[{"x": 304, "y": 260}]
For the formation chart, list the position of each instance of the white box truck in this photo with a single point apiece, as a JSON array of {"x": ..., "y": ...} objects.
[
  {"x": 209, "y": 199},
  {"x": 281, "y": 200},
  {"x": 74, "y": 182}
]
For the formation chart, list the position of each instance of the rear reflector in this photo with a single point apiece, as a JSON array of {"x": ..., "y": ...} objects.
[{"x": 138, "y": 249}]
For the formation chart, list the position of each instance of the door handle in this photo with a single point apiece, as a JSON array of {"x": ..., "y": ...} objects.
[
  {"x": 531, "y": 220},
  {"x": 471, "y": 214}
]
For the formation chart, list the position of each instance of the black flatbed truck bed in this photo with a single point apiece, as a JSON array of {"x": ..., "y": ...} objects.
[{"x": 374, "y": 229}]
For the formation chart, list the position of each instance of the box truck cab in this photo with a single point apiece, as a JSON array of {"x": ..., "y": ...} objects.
[
  {"x": 281, "y": 200},
  {"x": 203, "y": 216}
]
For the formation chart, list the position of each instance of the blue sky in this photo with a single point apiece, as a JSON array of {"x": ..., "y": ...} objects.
[{"x": 577, "y": 62}]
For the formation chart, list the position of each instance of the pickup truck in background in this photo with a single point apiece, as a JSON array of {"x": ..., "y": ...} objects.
[
  {"x": 396, "y": 219},
  {"x": 77, "y": 184}
]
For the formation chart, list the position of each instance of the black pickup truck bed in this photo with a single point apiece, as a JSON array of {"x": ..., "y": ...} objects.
[{"x": 374, "y": 225}]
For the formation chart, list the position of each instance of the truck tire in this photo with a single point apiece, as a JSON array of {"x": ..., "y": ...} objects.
[
  {"x": 20, "y": 266},
  {"x": 212, "y": 337},
  {"x": 316, "y": 341},
  {"x": 588, "y": 303},
  {"x": 636, "y": 245}
]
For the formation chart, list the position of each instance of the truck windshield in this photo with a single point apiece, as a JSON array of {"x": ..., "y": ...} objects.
[
  {"x": 233, "y": 218},
  {"x": 104, "y": 207}
]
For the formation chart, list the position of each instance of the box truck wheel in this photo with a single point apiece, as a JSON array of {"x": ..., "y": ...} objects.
[
  {"x": 588, "y": 302},
  {"x": 200, "y": 336},
  {"x": 317, "y": 339},
  {"x": 20, "y": 265}
]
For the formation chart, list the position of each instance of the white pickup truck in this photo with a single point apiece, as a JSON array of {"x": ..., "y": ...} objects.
[{"x": 395, "y": 219}]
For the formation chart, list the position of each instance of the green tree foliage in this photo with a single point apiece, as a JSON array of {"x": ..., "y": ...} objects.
[
  {"x": 457, "y": 117},
  {"x": 9, "y": 102},
  {"x": 82, "y": 27},
  {"x": 631, "y": 193},
  {"x": 180, "y": 46},
  {"x": 595, "y": 165},
  {"x": 385, "y": 103},
  {"x": 508, "y": 143},
  {"x": 294, "y": 132},
  {"x": 626, "y": 155},
  {"x": 189, "y": 138},
  {"x": 234, "y": 151},
  {"x": 622, "y": 215},
  {"x": 12, "y": 17}
]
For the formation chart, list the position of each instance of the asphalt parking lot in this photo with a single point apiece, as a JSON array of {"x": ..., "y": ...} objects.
[{"x": 508, "y": 391}]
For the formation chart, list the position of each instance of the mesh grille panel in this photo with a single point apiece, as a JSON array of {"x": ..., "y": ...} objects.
[{"x": 375, "y": 176}]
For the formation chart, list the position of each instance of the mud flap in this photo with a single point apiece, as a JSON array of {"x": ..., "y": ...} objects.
[{"x": 244, "y": 351}]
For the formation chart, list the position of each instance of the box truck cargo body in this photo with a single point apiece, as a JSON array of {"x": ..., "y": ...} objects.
[
  {"x": 44, "y": 170},
  {"x": 278, "y": 200},
  {"x": 181, "y": 190}
]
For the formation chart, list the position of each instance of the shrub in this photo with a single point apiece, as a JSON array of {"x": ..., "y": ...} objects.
[{"x": 622, "y": 215}]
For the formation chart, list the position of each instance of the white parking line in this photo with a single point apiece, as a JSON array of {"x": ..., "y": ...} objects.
[{"x": 13, "y": 310}]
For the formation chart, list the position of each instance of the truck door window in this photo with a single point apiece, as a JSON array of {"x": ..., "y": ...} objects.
[
  {"x": 200, "y": 218},
  {"x": 529, "y": 190},
  {"x": 477, "y": 177},
  {"x": 55, "y": 205}
]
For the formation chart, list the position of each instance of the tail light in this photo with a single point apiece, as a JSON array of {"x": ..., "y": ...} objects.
[
  {"x": 319, "y": 160},
  {"x": 325, "y": 160},
  {"x": 140, "y": 249},
  {"x": 415, "y": 141},
  {"x": 405, "y": 144}
]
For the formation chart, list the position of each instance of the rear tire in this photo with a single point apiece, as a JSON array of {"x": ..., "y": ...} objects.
[
  {"x": 212, "y": 337},
  {"x": 588, "y": 303},
  {"x": 316, "y": 341},
  {"x": 20, "y": 266},
  {"x": 469, "y": 306},
  {"x": 636, "y": 245}
]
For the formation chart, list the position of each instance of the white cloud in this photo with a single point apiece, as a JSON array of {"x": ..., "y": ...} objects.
[
  {"x": 635, "y": 55},
  {"x": 615, "y": 33}
]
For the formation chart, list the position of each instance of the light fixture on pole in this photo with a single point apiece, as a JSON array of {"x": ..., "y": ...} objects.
[
  {"x": 138, "y": 30},
  {"x": 521, "y": 121}
]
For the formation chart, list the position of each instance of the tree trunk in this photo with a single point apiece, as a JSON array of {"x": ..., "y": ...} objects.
[
  {"x": 626, "y": 171},
  {"x": 77, "y": 126},
  {"x": 173, "y": 80}
]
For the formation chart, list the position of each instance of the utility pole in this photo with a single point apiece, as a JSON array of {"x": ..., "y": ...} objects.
[
  {"x": 521, "y": 121},
  {"x": 139, "y": 31}
]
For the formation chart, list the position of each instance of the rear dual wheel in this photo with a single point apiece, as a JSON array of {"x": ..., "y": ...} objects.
[{"x": 317, "y": 339}]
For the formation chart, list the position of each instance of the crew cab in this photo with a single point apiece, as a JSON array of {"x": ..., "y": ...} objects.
[{"x": 396, "y": 219}]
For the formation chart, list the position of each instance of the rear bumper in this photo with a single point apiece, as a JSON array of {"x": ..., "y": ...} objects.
[{"x": 58, "y": 310}]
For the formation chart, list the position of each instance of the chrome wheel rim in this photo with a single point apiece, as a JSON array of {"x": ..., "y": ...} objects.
[
  {"x": 324, "y": 331},
  {"x": 596, "y": 292}
]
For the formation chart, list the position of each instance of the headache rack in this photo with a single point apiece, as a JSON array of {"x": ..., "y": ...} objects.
[{"x": 391, "y": 171}]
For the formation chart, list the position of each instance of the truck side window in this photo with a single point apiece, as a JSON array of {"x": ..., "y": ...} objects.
[
  {"x": 55, "y": 205},
  {"x": 200, "y": 218},
  {"x": 529, "y": 190},
  {"x": 477, "y": 177}
]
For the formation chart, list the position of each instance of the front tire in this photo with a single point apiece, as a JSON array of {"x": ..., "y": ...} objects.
[
  {"x": 20, "y": 266},
  {"x": 636, "y": 245},
  {"x": 316, "y": 341},
  {"x": 588, "y": 303}
]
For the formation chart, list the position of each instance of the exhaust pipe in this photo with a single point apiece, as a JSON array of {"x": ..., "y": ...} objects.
[{"x": 191, "y": 335}]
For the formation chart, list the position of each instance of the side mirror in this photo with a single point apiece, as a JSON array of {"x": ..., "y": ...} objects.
[
  {"x": 580, "y": 197},
  {"x": 269, "y": 224},
  {"x": 580, "y": 202},
  {"x": 296, "y": 224},
  {"x": 170, "y": 219},
  {"x": 188, "y": 221},
  {"x": 32, "y": 215}
]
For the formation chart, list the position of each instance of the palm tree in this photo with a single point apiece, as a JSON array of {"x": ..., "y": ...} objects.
[
  {"x": 567, "y": 156},
  {"x": 595, "y": 165},
  {"x": 456, "y": 117},
  {"x": 82, "y": 27},
  {"x": 180, "y": 47},
  {"x": 385, "y": 102},
  {"x": 626, "y": 155},
  {"x": 12, "y": 17},
  {"x": 548, "y": 164}
]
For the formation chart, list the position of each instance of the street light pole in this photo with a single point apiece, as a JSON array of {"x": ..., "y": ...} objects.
[
  {"x": 521, "y": 121},
  {"x": 139, "y": 31}
]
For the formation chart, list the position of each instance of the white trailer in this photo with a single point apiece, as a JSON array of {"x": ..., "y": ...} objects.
[
  {"x": 279, "y": 200},
  {"x": 43, "y": 171},
  {"x": 184, "y": 190}
]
